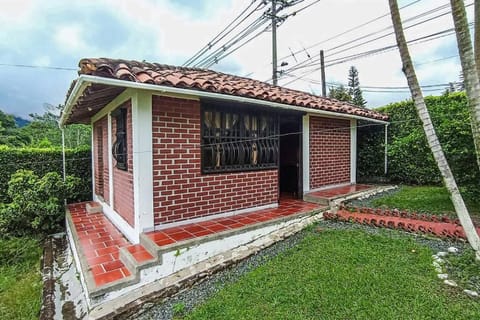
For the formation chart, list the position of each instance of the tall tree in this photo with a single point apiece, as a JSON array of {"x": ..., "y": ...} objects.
[
  {"x": 432, "y": 138},
  {"x": 469, "y": 68},
  {"x": 354, "y": 87}
]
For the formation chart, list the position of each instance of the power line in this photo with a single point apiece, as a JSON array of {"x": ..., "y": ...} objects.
[
  {"x": 36, "y": 66},
  {"x": 344, "y": 59},
  {"x": 306, "y": 63},
  {"x": 349, "y": 30},
  {"x": 221, "y": 34}
]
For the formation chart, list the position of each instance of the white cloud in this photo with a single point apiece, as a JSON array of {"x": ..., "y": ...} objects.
[{"x": 69, "y": 38}]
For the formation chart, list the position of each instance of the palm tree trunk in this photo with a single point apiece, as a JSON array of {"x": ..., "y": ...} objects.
[
  {"x": 432, "y": 138},
  {"x": 476, "y": 45},
  {"x": 469, "y": 68}
]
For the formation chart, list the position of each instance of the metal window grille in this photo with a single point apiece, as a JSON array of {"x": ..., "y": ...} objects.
[
  {"x": 119, "y": 148},
  {"x": 238, "y": 140}
]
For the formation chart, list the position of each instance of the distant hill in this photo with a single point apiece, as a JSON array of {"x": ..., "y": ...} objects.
[{"x": 20, "y": 122}]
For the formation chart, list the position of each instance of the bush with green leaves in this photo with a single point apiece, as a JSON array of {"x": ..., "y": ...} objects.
[
  {"x": 410, "y": 160},
  {"x": 44, "y": 160},
  {"x": 38, "y": 203}
]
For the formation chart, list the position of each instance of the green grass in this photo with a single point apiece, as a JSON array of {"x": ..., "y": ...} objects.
[
  {"x": 342, "y": 275},
  {"x": 424, "y": 199},
  {"x": 20, "y": 279}
]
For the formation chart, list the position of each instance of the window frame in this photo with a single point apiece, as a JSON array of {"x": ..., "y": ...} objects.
[
  {"x": 240, "y": 142},
  {"x": 120, "y": 146}
]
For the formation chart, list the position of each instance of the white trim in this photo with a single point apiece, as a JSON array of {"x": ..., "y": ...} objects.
[
  {"x": 214, "y": 216},
  {"x": 142, "y": 160},
  {"x": 110, "y": 160},
  {"x": 353, "y": 151},
  {"x": 117, "y": 220},
  {"x": 82, "y": 79},
  {"x": 336, "y": 185},
  {"x": 306, "y": 153}
]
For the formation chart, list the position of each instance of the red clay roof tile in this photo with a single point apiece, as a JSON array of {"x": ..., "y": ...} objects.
[{"x": 211, "y": 81}]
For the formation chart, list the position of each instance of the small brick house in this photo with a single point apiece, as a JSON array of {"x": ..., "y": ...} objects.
[{"x": 172, "y": 145}]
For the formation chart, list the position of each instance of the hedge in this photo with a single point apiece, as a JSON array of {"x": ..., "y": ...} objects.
[
  {"x": 42, "y": 161},
  {"x": 410, "y": 160}
]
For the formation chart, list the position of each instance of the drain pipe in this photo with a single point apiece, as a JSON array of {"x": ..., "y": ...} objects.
[
  {"x": 386, "y": 150},
  {"x": 63, "y": 154}
]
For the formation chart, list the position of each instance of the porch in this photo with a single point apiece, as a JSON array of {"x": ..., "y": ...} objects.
[{"x": 111, "y": 266}]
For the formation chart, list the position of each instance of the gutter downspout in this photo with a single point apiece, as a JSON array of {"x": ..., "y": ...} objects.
[
  {"x": 63, "y": 154},
  {"x": 386, "y": 150}
]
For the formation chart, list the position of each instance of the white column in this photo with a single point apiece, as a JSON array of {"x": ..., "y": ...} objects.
[
  {"x": 306, "y": 153},
  {"x": 93, "y": 155},
  {"x": 142, "y": 160},
  {"x": 110, "y": 161},
  {"x": 353, "y": 151}
]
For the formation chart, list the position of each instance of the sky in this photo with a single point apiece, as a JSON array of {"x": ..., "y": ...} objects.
[{"x": 51, "y": 36}]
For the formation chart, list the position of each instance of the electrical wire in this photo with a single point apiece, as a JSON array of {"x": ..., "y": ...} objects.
[
  {"x": 220, "y": 35},
  {"x": 36, "y": 67}
]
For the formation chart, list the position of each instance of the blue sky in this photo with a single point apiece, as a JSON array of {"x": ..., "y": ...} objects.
[{"x": 58, "y": 33}]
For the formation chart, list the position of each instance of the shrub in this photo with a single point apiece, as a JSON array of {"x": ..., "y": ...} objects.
[
  {"x": 42, "y": 161},
  {"x": 410, "y": 160},
  {"x": 37, "y": 205}
]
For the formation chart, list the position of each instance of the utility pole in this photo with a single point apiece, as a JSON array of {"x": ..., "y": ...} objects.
[
  {"x": 274, "y": 43},
  {"x": 322, "y": 70}
]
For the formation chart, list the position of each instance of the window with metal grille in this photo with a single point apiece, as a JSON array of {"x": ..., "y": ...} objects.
[
  {"x": 234, "y": 140},
  {"x": 119, "y": 148}
]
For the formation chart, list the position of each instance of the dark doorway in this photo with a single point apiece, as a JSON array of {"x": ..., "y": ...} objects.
[{"x": 291, "y": 183}]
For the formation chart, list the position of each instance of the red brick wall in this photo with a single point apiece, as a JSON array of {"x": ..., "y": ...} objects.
[
  {"x": 100, "y": 132},
  {"x": 329, "y": 151},
  {"x": 180, "y": 191},
  {"x": 122, "y": 179}
]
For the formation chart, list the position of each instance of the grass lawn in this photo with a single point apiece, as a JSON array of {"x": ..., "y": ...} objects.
[
  {"x": 342, "y": 274},
  {"x": 425, "y": 199},
  {"x": 20, "y": 279}
]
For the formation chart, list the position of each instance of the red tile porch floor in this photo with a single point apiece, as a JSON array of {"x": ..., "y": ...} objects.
[
  {"x": 286, "y": 207},
  {"x": 340, "y": 191},
  {"x": 100, "y": 241}
]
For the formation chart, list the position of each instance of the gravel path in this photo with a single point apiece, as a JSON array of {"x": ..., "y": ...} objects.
[{"x": 188, "y": 299}]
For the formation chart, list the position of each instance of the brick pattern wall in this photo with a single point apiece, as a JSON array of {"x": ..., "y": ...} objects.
[
  {"x": 180, "y": 191},
  {"x": 123, "y": 180},
  {"x": 100, "y": 131},
  {"x": 329, "y": 151}
]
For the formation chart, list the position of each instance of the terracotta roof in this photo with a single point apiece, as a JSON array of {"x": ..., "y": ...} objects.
[{"x": 196, "y": 79}]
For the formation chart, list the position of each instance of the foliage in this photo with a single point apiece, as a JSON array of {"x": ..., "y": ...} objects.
[
  {"x": 410, "y": 160},
  {"x": 37, "y": 205},
  {"x": 425, "y": 199},
  {"x": 42, "y": 161},
  {"x": 342, "y": 274},
  {"x": 44, "y": 128},
  {"x": 9, "y": 133},
  {"x": 354, "y": 87},
  {"x": 43, "y": 131},
  {"x": 339, "y": 93},
  {"x": 20, "y": 281}
]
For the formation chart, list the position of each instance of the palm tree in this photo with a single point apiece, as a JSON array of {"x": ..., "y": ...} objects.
[
  {"x": 469, "y": 68},
  {"x": 432, "y": 138},
  {"x": 476, "y": 45}
]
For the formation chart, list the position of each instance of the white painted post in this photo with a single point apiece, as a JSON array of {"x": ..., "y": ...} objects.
[
  {"x": 306, "y": 152},
  {"x": 353, "y": 151},
  {"x": 142, "y": 161}
]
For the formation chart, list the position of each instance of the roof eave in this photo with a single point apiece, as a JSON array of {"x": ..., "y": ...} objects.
[{"x": 85, "y": 80}]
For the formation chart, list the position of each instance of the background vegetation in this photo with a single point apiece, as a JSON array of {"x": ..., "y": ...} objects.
[{"x": 410, "y": 160}]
